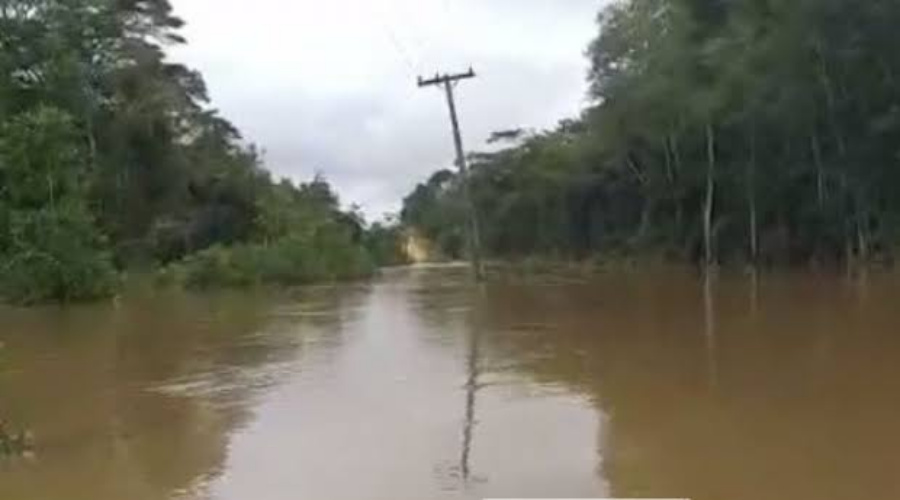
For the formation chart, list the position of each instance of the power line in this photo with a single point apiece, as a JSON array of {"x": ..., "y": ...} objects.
[
  {"x": 391, "y": 35},
  {"x": 401, "y": 50}
]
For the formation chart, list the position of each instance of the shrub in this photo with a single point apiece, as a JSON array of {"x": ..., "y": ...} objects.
[
  {"x": 54, "y": 255},
  {"x": 293, "y": 260}
]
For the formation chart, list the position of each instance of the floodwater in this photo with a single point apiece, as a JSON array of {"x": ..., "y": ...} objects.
[{"x": 421, "y": 386}]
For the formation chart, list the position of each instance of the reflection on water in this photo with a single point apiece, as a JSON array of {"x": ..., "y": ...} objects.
[
  {"x": 471, "y": 389},
  {"x": 709, "y": 326},
  {"x": 421, "y": 385}
]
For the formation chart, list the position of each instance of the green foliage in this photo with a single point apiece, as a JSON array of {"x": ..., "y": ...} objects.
[
  {"x": 286, "y": 262},
  {"x": 109, "y": 152},
  {"x": 301, "y": 236},
  {"x": 40, "y": 161},
  {"x": 385, "y": 244},
  {"x": 748, "y": 130},
  {"x": 50, "y": 247},
  {"x": 436, "y": 209},
  {"x": 55, "y": 254},
  {"x": 14, "y": 443}
]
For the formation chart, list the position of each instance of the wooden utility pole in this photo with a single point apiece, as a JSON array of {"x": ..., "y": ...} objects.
[{"x": 474, "y": 238}]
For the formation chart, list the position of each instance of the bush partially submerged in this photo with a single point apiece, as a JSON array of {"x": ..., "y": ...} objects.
[
  {"x": 54, "y": 255},
  {"x": 292, "y": 260}
]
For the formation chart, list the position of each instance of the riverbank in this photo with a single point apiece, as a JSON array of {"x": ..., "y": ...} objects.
[{"x": 650, "y": 262}]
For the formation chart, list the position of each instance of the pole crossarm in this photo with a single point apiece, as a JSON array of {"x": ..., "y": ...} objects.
[{"x": 439, "y": 79}]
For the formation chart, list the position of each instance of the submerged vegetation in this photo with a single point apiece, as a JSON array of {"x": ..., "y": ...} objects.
[
  {"x": 755, "y": 131},
  {"x": 111, "y": 157},
  {"x": 14, "y": 443}
]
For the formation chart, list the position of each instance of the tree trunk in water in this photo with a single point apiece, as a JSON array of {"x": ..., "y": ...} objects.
[
  {"x": 710, "y": 196},
  {"x": 709, "y": 330},
  {"x": 848, "y": 224},
  {"x": 754, "y": 234},
  {"x": 862, "y": 239},
  {"x": 862, "y": 243},
  {"x": 646, "y": 220},
  {"x": 676, "y": 160},
  {"x": 751, "y": 202},
  {"x": 52, "y": 192},
  {"x": 820, "y": 171},
  {"x": 670, "y": 174},
  {"x": 848, "y": 251}
]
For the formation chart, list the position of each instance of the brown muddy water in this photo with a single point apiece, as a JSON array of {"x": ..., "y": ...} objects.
[{"x": 421, "y": 386}]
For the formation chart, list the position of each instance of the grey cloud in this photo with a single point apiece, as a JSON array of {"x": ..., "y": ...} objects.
[{"x": 377, "y": 135}]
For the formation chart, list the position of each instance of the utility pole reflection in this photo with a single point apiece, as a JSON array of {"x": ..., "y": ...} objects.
[{"x": 471, "y": 389}]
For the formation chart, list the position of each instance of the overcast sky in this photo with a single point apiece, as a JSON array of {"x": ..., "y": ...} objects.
[{"x": 329, "y": 85}]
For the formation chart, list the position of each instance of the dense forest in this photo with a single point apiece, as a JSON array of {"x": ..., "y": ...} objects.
[
  {"x": 112, "y": 158},
  {"x": 758, "y": 131},
  {"x": 739, "y": 131}
]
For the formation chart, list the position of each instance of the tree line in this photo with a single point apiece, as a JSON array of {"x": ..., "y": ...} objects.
[
  {"x": 112, "y": 158},
  {"x": 718, "y": 131}
]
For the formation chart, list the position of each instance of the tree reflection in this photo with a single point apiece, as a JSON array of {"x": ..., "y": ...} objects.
[
  {"x": 140, "y": 401},
  {"x": 709, "y": 328},
  {"x": 699, "y": 402}
]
